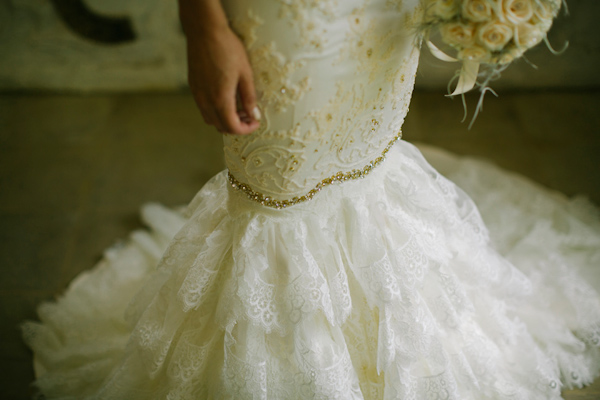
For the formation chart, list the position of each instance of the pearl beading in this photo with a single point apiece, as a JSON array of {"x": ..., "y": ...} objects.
[{"x": 338, "y": 177}]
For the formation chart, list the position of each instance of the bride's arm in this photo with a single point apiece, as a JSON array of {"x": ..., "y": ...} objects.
[{"x": 218, "y": 68}]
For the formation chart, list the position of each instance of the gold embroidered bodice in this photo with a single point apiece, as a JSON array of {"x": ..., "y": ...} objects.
[{"x": 333, "y": 86}]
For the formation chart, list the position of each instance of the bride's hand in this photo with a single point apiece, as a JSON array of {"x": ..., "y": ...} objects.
[{"x": 220, "y": 76}]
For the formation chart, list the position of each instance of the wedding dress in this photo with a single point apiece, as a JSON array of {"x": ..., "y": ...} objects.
[{"x": 331, "y": 260}]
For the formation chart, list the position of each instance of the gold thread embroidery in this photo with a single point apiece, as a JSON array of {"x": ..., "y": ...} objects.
[{"x": 336, "y": 178}]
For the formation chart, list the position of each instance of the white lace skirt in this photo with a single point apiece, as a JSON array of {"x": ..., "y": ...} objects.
[{"x": 388, "y": 287}]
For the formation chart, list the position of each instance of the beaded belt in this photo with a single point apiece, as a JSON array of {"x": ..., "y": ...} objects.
[{"x": 335, "y": 178}]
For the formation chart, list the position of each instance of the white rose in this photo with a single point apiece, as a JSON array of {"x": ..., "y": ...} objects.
[
  {"x": 474, "y": 53},
  {"x": 446, "y": 9},
  {"x": 457, "y": 34},
  {"x": 546, "y": 9},
  {"x": 544, "y": 13},
  {"x": 508, "y": 56},
  {"x": 528, "y": 35},
  {"x": 555, "y": 4},
  {"x": 517, "y": 11},
  {"x": 477, "y": 10},
  {"x": 494, "y": 35}
]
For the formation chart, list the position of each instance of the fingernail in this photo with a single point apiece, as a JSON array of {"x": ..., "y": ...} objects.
[{"x": 256, "y": 113}]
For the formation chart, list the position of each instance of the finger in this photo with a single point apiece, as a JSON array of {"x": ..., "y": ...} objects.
[
  {"x": 226, "y": 112},
  {"x": 244, "y": 117},
  {"x": 203, "y": 111},
  {"x": 215, "y": 120},
  {"x": 208, "y": 113},
  {"x": 228, "y": 115},
  {"x": 247, "y": 94},
  {"x": 201, "y": 103}
]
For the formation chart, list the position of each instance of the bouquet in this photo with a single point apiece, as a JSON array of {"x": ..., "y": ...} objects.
[{"x": 489, "y": 32}]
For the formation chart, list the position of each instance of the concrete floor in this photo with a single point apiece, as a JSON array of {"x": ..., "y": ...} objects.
[{"x": 75, "y": 169}]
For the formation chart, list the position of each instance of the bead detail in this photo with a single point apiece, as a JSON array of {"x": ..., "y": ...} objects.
[{"x": 335, "y": 178}]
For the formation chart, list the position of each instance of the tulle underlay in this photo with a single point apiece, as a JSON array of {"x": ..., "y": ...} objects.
[{"x": 388, "y": 287}]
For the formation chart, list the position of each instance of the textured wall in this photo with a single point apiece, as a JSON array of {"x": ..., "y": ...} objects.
[{"x": 38, "y": 51}]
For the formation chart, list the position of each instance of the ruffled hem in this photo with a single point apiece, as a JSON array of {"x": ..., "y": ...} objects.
[{"x": 388, "y": 287}]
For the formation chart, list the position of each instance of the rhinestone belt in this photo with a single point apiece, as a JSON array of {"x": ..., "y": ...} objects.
[{"x": 335, "y": 178}]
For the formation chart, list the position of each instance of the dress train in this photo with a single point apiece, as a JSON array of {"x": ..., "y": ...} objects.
[{"x": 389, "y": 287}]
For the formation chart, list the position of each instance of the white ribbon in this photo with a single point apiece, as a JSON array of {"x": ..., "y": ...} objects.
[{"x": 468, "y": 72}]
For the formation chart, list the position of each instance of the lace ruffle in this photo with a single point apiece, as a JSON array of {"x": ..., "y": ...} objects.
[{"x": 381, "y": 288}]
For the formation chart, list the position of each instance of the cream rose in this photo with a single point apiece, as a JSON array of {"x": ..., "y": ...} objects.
[
  {"x": 518, "y": 11},
  {"x": 544, "y": 14},
  {"x": 555, "y": 4},
  {"x": 474, "y": 53},
  {"x": 528, "y": 35},
  {"x": 477, "y": 10},
  {"x": 457, "y": 34},
  {"x": 446, "y": 9},
  {"x": 508, "y": 56},
  {"x": 494, "y": 35}
]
